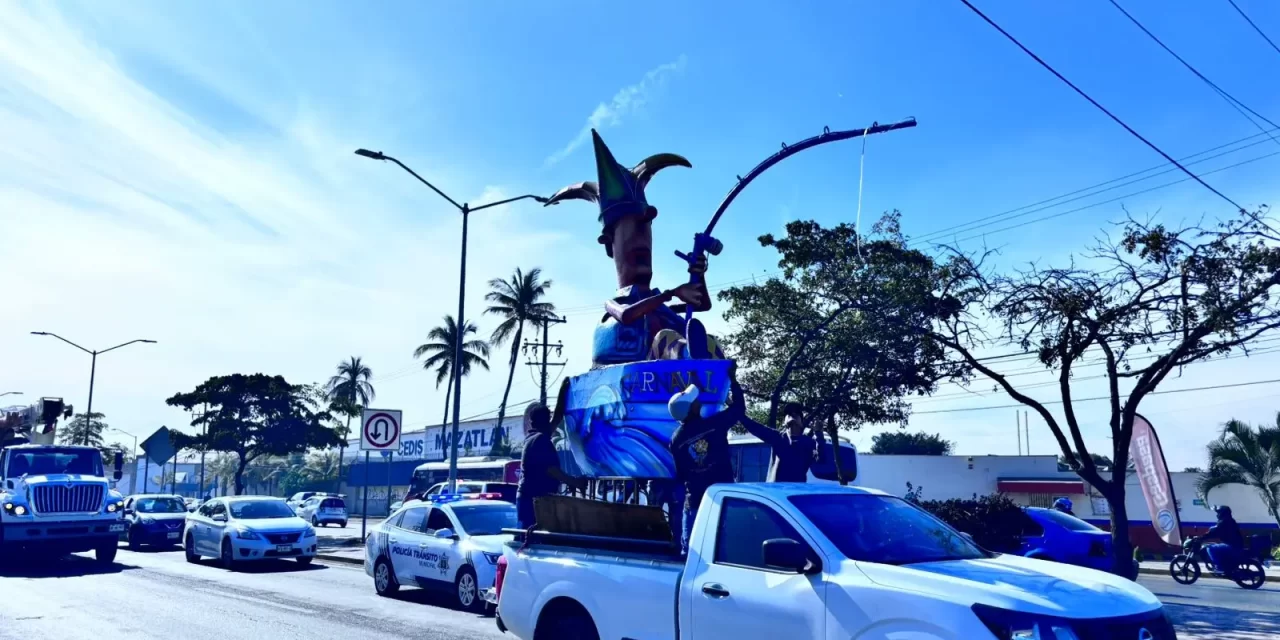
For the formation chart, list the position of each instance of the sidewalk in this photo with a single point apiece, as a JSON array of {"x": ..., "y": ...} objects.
[{"x": 1156, "y": 567}]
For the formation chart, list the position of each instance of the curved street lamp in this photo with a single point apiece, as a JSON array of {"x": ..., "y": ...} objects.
[{"x": 93, "y": 366}]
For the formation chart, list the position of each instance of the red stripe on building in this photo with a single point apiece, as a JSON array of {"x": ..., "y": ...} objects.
[{"x": 1059, "y": 487}]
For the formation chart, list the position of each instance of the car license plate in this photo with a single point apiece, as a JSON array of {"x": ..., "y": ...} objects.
[
  {"x": 118, "y": 527},
  {"x": 173, "y": 535},
  {"x": 284, "y": 548}
]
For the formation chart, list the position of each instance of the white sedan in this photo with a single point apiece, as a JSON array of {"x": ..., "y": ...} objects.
[
  {"x": 244, "y": 529},
  {"x": 445, "y": 543}
]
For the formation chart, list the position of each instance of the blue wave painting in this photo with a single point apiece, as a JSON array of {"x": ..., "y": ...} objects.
[{"x": 616, "y": 422}]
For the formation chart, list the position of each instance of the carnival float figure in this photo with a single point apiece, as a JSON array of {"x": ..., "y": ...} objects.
[{"x": 613, "y": 421}]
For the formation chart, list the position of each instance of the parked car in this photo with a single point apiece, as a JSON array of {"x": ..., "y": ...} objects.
[
  {"x": 301, "y": 497},
  {"x": 154, "y": 520},
  {"x": 445, "y": 543},
  {"x": 323, "y": 509},
  {"x": 1048, "y": 534},
  {"x": 807, "y": 561},
  {"x": 473, "y": 489},
  {"x": 248, "y": 528}
]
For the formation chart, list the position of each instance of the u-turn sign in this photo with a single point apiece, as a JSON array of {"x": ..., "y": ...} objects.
[{"x": 380, "y": 430}]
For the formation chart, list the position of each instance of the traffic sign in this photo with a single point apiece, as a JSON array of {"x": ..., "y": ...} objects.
[
  {"x": 159, "y": 447},
  {"x": 381, "y": 430}
]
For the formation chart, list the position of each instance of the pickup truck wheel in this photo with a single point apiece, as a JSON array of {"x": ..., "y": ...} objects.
[
  {"x": 467, "y": 590},
  {"x": 106, "y": 553},
  {"x": 384, "y": 579},
  {"x": 189, "y": 549},
  {"x": 565, "y": 620}
]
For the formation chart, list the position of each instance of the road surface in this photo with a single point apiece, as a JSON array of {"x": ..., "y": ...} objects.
[{"x": 158, "y": 595}]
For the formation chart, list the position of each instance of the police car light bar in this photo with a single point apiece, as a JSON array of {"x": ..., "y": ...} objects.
[{"x": 445, "y": 497}]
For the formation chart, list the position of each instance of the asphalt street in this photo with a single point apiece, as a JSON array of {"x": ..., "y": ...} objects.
[{"x": 158, "y": 595}]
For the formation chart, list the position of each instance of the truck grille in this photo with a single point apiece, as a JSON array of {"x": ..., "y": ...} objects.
[{"x": 80, "y": 498}]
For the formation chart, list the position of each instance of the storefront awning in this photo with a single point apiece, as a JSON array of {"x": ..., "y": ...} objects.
[{"x": 1056, "y": 487}]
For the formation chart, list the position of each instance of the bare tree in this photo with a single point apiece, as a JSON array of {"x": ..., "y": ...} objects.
[{"x": 1152, "y": 301}]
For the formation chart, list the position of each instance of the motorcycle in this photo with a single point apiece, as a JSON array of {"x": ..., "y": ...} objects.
[{"x": 1185, "y": 567}]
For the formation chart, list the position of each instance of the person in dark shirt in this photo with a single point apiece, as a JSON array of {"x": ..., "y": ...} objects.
[
  {"x": 700, "y": 447},
  {"x": 793, "y": 452},
  {"x": 1226, "y": 554},
  {"x": 539, "y": 464}
]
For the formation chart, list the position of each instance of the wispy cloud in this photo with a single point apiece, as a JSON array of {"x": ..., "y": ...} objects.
[{"x": 626, "y": 101}]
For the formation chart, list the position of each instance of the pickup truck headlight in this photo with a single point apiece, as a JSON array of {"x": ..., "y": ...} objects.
[{"x": 1014, "y": 625}]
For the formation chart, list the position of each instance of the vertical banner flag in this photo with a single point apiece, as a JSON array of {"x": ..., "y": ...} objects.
[{"x": 1153, "y": 475}]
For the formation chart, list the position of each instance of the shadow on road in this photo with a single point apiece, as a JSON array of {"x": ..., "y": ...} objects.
[
  {"x": 431, "y": 597},
  {"x": 1197, "y": 621},
  {"x": 57, "y": 567},
  {"x": 268, "y": 566}
]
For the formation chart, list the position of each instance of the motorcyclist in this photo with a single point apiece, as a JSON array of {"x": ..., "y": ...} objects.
[
  {"x": 1064, "y": 505},
  {"x": 1226, "y": 553}
]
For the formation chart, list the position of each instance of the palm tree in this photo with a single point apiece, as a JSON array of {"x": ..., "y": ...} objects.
[
  {"x": 348, "y": 390},
  {"x": 516, "y": 301},
  {"x": 440, "y": 350},
  {"x": 1244, "y": 455}
]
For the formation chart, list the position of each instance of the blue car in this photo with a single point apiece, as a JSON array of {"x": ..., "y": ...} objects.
[{"x": 1053, "y": 535}]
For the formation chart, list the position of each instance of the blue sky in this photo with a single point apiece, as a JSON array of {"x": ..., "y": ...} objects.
[{"x": 184, "y": 172}]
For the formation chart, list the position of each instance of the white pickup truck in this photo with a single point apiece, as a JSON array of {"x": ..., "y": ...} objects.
[{"x": 793, "y": 561}]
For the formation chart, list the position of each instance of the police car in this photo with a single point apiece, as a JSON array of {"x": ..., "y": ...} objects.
[{"x": 447, "y": 542}]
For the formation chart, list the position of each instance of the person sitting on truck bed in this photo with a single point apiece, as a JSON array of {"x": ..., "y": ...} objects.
[
  {"x": 794, "y": 452},
  {"x": 539, "y": 464},
  {"x": 700, "y": 447}
]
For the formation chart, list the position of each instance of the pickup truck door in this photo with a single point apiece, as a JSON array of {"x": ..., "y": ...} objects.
[
  {"x": 729, "y": 591},
  {"x": 404, "y": 544}
]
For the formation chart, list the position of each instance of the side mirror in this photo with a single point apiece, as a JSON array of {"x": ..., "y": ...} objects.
[
  {"x": 788, "y": 555},
  {"x": 118, "y": 465},
  {"x": 446, "y": 534},
  {"x": 128, "y": 512},
  {"x": 221, "y": 517}
]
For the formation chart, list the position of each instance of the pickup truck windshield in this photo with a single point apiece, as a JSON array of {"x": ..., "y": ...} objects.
[
  {"x": 53, "y": 460},
  {"x": 486, "y": 520},
  {"x": 884, "y": 529}
]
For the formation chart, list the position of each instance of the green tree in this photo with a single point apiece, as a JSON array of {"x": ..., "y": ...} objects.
[
  {"x": 517, "y": 301},
  {"x": 1143, "y": 303},
  {"x": 84, "y": 429},
  {"x": 844, "y": 331},
  {"x": 252, "y": 416},
  {"x": 1099, "y": 460},
  {"x": 1248, "y": 456},
  {"x": 1193, "y": 470},
  {"x": 440, "y": 350},
  {"x": 347, "y": 391},
  {"x": 905, "y": 443}
]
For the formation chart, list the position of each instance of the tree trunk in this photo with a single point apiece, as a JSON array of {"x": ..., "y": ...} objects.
[
  {"x": 240, "y": 474},
  {"x": 511, "y": 374},
  {"x": 342, "y": 449},
  {"x": 1121, "y": 547}
]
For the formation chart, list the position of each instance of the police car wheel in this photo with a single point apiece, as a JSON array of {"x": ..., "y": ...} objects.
[
  {"x": 384, "y": 579},
  {"x": 467, "y": 590}
]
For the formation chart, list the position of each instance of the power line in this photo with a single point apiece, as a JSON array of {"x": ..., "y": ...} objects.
[
  {"x": 1097, "y": 104},
  {"x": 1231, "y": 100},
  {"x": 1075, "y": 400},
  {"x": 1255, "y": 27}
]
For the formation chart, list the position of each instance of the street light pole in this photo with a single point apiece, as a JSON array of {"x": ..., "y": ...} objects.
[
  {"x": 10, "y": 393},
  {"x": 93, "y": 370},
  {"x": 465, "y": 209}
]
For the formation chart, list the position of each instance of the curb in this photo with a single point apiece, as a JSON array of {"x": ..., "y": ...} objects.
[
  {"x": 339, "y": 559},
  {"x": 1165, "y": 572}
]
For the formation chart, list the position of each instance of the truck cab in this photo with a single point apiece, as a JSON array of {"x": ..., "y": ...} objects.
[{"x": 57, "y": 499}]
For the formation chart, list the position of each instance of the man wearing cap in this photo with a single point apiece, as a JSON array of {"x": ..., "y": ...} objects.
[
  {"x": 638, "y": 323},
  {"x": 700, "y": 447},
  {"x": 793, "y": 452}
]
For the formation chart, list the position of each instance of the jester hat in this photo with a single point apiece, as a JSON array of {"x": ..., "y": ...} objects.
[{"x": 619, "y": 191}]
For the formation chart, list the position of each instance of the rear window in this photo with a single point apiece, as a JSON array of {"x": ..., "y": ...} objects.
[
  {"x": 333, "y": 503},
  {"x": 507, "y": 491}
]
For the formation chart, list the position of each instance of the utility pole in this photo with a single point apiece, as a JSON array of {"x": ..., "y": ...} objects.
[{"x": 546, "y": 347}]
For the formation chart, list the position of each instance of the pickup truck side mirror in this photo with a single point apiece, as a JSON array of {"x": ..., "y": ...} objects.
[
  {"x": 447, "y": 534},
  {"x": 788, "y": 555},
  {"x": 118, "y": 465}
]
